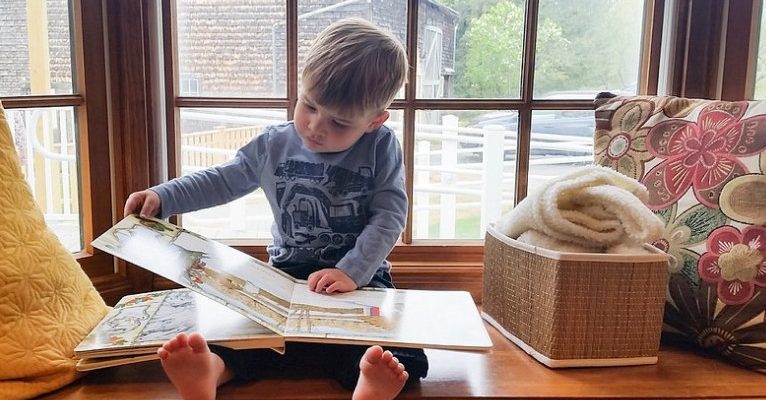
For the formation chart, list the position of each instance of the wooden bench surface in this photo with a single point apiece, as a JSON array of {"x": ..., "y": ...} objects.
[{"x": 506, "y": 371}]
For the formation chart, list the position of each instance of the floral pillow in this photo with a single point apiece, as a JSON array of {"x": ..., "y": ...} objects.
[{"x": 703, "y": 162}]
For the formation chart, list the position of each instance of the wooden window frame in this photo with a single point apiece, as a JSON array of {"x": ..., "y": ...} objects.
[
  {"x": 454, "y": 264},
  {"x": 89, "y": 100},
  {"x": 125, "y": 101},
  {"x": 715, "y": 49}
]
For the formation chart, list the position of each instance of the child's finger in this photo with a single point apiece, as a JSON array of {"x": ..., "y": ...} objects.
[
  {"x": 130, "y": 205},
  {"x": 312, "y": 281},
  {"x": 323, "y": 282},
  {"x": 335, "y": 287},
  {"x": 148, "y": 210},
  {"x": 144, "y": 211}
]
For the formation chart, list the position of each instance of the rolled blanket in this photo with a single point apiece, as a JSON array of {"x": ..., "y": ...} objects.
[{"x": 592, "y": 208}]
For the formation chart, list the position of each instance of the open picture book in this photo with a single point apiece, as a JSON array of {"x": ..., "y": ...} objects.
[
  {"x": 140, "y": 323},
  {"x": 285, "y": 306}
]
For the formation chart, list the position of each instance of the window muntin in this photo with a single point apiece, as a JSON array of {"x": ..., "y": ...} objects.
[
  {"x": 233, "y": 49},
  {"x": 464, "y": 171},
  {"x": 211, "y": 136},
  {"x": 483, "y": 45},
  {"x": 587, "y": 46},
  {"x": 36, "y": 55},
  {"x": 46, "y": 143},
  {"x": 561, "y": 140},
  {"x": 463, "y": 71},
  {"x": 314, "y": 16},
  {"x": 36, "y": 60}
]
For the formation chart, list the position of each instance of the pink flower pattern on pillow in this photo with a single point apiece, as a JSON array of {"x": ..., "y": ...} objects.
[
  {"x": 703, "y": 155},
  {"x": 735, "y": 261}
]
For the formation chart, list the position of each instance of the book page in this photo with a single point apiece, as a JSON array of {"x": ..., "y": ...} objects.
[
  {"x": 90, "y": 364},
  {"x": 407, "y": 318},
  {"x": 140, "y": 323},
  {"x": 243, "y": 283}
]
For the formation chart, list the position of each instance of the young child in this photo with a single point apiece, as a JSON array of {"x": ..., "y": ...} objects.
[{"x": 333, "y": 178}]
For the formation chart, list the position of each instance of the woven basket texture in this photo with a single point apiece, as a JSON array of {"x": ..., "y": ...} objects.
[{"x": 575, "y": 309}]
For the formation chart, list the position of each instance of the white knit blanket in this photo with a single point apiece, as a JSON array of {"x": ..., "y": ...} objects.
[{"x": 593, "y": 209}]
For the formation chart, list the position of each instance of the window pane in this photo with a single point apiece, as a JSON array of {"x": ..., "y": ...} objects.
[
  {"x": 464, "y": 172},
  {"x": 35, "y": 55},
  {"x": 561, "y": 141},
  {"x": 231, "y": 48},
  {"x": 213, "y": 136},
  {"x": 760, "y": 66},
  {"x": 314, "y": 16},
  {"x": 587, "y": 46},
  {"x": 470, "y": 49},
  {"x": 45, "y": 140}
]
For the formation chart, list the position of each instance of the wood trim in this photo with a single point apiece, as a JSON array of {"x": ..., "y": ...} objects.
[
  {"x": 652, "y": 46},
  {"x": 96, "y": 265},
  {"x": 700, "y": 46},
  {"x": 90, "y": 75},
  {"x": 291, "y": 35},
  {"x": 716, "y": 49},
  {"x": 492, "y": 104},
  {"x": 523, "y": 138},
  {"x": 738, "y": 61},
  {"x": 439, "y": 267},
  {"x": 155, "y": 90},
  {"x": 681, "y": 15},
  {"x": 232, "y": 102},
  {"x": 504, "y": 372},
  {"x": 408, "y": 132},
  {"x": 170, "y": 57},
  {"x": 755, "y": 30},
  {"x": 113, "y": 287},
  {"x": 131, "y": 125},
  {"x": 72, "y": 100}
]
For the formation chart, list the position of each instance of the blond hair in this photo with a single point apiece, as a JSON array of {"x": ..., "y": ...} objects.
[{"x": 354, "y": 66}]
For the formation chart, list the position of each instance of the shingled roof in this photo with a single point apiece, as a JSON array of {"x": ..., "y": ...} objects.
[{"x": 227, "y": 47}]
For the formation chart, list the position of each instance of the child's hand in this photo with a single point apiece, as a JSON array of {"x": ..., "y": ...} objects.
[
  {"x": 330, "y": 280},
  {"x": 146, "y": 202}
]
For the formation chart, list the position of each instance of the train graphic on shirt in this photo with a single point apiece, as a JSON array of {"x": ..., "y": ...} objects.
[{"x": 323, "y": 206}]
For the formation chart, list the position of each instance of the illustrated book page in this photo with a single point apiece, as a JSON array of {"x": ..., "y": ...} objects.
[
  {"x": 401, "y": 317},
  {"x": 138, "y": 324},
  {"x": 407, "y": 318}
]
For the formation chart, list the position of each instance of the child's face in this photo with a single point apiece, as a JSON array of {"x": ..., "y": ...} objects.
[{"x": 325, "y": 130}]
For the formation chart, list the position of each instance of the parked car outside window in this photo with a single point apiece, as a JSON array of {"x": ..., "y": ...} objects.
[{"x": 553, "y": 133}]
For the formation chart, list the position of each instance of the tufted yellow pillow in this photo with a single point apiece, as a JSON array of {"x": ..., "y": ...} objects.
[{"x": 47, "y": 303}]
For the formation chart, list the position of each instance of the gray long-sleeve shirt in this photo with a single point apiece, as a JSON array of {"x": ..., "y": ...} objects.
[{"x": 344, "y": 209}]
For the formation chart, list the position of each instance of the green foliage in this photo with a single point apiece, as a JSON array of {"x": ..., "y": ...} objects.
[
  {"x": 493, "y": 45},
  {"x": 581, "y": 44}
]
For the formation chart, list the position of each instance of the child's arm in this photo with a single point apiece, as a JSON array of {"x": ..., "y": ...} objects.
[{"x": 215, "y": 185}]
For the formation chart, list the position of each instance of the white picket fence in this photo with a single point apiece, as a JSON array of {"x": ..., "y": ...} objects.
[
  {"x": 457, "y": 169},
  {"x": 447, "y": 177}
]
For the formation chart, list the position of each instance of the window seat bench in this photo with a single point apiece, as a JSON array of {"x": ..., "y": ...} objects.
[{"x": 505, "y": 372}]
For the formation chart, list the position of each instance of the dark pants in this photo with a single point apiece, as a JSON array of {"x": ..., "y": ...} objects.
[{"x": 338, "y": 361}]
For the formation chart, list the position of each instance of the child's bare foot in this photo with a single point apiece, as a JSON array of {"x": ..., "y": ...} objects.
[
  {"x": 381, "y": 376},
  {"x": 193, "y": 369}
]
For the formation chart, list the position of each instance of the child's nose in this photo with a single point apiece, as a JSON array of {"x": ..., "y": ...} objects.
[{"x": 317, "y": 127}]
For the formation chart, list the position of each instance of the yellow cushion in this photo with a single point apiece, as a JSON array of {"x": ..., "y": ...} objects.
[{"x": 47, "y": 303}]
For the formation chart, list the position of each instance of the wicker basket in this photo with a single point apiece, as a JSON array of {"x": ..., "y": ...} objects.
[{"x": 572, "y": 309}]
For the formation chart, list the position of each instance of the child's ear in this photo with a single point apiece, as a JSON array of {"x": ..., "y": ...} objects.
[{"x": 378, "y": 121}]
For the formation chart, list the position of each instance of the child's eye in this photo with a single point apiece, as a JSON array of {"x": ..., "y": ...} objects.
[
  {"x": 339, "y": 125},
  {"x": 311, "y": 108}
]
